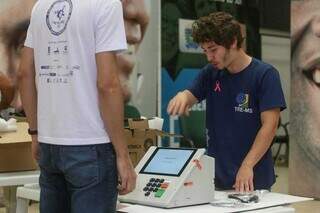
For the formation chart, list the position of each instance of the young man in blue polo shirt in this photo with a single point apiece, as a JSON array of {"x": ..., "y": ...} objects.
[{"x": 244, "y": 99}]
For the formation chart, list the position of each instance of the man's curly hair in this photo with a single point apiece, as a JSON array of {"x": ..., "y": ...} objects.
[{"x": 219, "y": 27}]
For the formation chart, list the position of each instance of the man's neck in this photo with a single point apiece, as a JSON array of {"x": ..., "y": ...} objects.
[{"x": 240, "y": 61}]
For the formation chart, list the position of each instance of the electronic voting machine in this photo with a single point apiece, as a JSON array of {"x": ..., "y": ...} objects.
[{"x": 173, "y": 177}]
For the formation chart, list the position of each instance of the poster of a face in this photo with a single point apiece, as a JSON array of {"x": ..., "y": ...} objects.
[
  {"x": 304, "y": 164},
  {"x": 14, "y": 21}
]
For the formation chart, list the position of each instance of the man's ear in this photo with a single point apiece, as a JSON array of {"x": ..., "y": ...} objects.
[{"x": 234, "y": 44}]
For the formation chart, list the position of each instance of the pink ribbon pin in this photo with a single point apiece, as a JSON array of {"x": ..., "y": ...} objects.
[{"x": 217, "y": 88}]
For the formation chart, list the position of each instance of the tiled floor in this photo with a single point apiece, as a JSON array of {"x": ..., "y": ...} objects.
[{"x": 281, "y": 186}]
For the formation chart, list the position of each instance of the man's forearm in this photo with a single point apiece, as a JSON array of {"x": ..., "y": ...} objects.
[
  {"x": 111, "y": 108},
  {"x": 260, "y": 146},
  {"x": 28, "y": 94},
  {"x": 111, "y": 101},
  {"x": 27, "y": 86}
]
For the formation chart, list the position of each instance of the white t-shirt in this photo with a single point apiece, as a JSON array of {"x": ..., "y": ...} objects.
[{"x": 65, "y": 36}]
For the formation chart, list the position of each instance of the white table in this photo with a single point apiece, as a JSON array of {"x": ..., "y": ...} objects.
[
  {"x": 32, "y": 192},
  {"x": 278, "y": 209},
  {"x": 11, "y": 180},
  {"x": 269, "y": 202}
]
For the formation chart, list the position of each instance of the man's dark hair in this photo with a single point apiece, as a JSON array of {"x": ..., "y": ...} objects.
[{"x": 219, "y": 27}]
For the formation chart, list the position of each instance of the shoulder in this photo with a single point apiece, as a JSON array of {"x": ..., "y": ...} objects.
[
  {"x": 209, "y": 70},
  {"x": 103, "y": 11},
  {"x": 263, "y": 69},
  {"x": 207, "y": 74},
  {"x": 103, "y": 8},
  {"x": 208, "y": 67},
  {"x": 101, "y": 4},
  {"x": 35, "y": 9}
]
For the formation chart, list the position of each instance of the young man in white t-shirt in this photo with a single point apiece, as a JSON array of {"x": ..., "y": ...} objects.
[{"x": 72, "y": 98}]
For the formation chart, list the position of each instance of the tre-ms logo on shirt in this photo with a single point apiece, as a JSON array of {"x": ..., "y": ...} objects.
[{"x": 242, "y": 101}]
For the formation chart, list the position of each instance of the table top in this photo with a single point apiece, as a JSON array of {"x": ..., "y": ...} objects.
[
  {"x": 19, "y": 178},
  {"x": 278, "y": 209},
  {"x": 268, "y": 200}
]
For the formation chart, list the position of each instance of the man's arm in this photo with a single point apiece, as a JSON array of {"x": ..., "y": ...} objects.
[
  {"x": 111, "y": 109},
  {"x": 181, "y": 103},
  {"x": 262, "y": 142},
  {"x": 28, "y": 92}
]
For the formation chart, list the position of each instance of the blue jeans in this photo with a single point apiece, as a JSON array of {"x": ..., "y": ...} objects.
[{"x": 78, "y": 179}]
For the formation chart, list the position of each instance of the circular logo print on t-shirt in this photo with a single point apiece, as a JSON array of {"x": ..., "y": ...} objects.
[
  {"x": 241, "y": 98},
  {"x": 58, "y": 16}
]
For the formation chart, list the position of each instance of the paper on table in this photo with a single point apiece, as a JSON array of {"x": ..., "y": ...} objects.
[{"x": 155, "y": 123}]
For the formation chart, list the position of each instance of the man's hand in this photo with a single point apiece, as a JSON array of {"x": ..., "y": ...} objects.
[
  {"x": 35, "y": 150},
  {"x": 179, "y": 105},
  {"x": 244, "y": 179},
  {"x": 127, "y": 175}
]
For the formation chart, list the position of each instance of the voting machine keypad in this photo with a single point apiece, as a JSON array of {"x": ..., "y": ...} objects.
[{"x": 156, "y": 186}]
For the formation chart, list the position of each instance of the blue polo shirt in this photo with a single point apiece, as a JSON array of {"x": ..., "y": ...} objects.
[{"x": 234, "y": 104}]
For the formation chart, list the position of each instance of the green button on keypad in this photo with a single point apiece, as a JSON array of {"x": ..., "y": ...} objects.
[{"x": 159, "y": 193}]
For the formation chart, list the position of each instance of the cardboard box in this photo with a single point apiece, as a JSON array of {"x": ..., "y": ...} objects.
[
  {"x": 15, "y": 150},
  {"x": 139, "y": 138}
]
